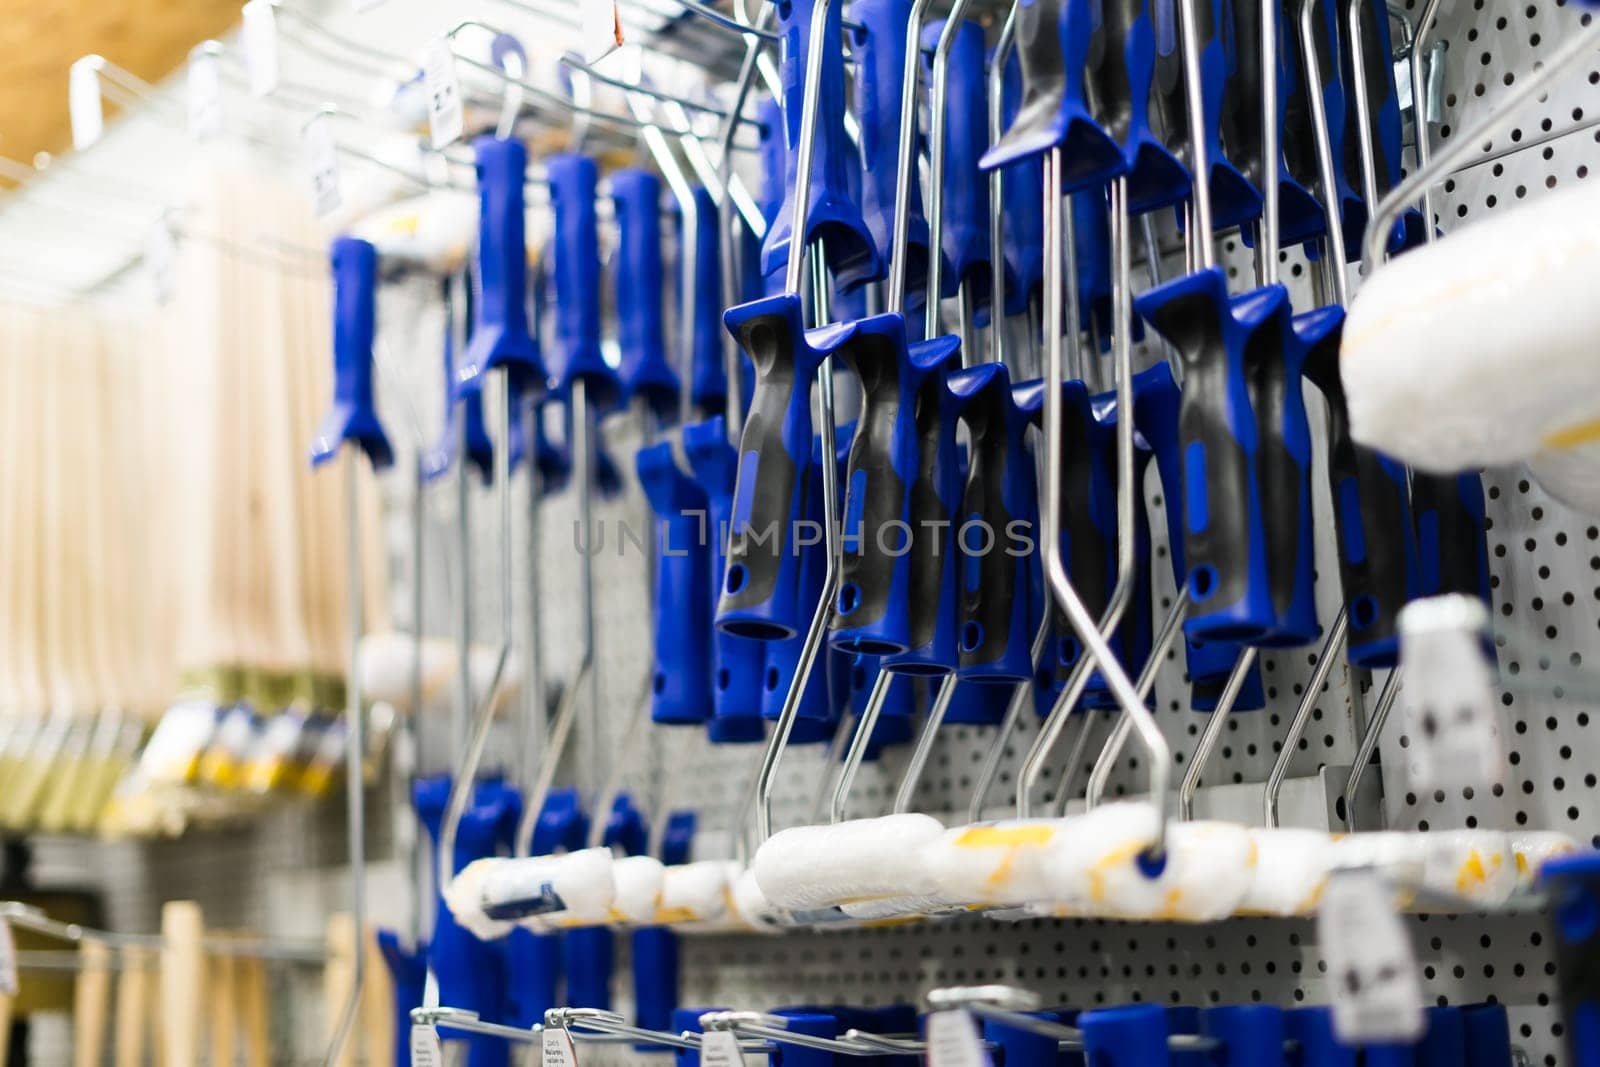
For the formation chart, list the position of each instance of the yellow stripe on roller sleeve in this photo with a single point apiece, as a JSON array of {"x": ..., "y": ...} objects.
[
  {"x": 1003, "y": 836},
  {"x": 1576, "y": 436}
]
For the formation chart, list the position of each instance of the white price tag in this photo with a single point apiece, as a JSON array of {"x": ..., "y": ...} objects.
[
  {"x": 1372, "y": 973},
  {"x": 953, "y": 1040},
  {"x": 446, "y": 115},
  {"x": 720, "y": 1048},
  {"x": 425, "y": 1050},
  {"x": 204, "y": 90},
  {"x": 83, "y": 101},
  {"x": 8, "y": 961},
  {"x": 322, "y": 163},
  {"x": 556, "y": 1048},
  {"x": 260, "y": 38},
  {"x": 602, "y": 29},
  {"x": 161, "y": 259},
  {"x": 1452, "y": 730}
]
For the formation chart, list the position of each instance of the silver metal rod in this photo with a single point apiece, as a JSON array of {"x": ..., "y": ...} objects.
[
  {"x": 997, "y": 185},
  {"x": 536, "y": 746},
  {"x": 1267, "y": 238},
  {"x": 1423, "y": 123},
  {"x": 905, "y": 167},
  {"x": 938, "y": 121},
  {"x": 355, "y": 755},
  {"x": 1302, "y": 714},
  {"x": 1170, "y": 628},
  {"x": 584, "y": 432},
  {"x": 1319, "y": 129},
  {"x": 1064, "y": 788},
  {"x": 1194, "y": 91},
  {"x": 865, "y": 725},
  {"x": 533, "y": 800},
  {"x": 1369, "y": 745},
  {"x": 919, "y": 755},
  {"x": 1213, "y": 733},
  {"x": 1127, "y": 492}
]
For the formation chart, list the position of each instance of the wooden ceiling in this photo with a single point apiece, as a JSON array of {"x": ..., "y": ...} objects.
[{"x": 40, "y": 39}]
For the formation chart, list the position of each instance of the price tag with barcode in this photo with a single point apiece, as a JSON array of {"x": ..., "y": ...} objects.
[
  {"x": 953, "y": 1040},
  {"x": 260, "y": 38},
  {"x": 425, "y": 1050},
  {"x": 556, "y": 1048},
  {"x": 446, "y": 115},
  {"x": 204, "y": 89},
  {"x": 8, "y": 961},
  {"x": 720, "y": 1048},
  {"x": 83, "y": 102},
  {"x": 1452, "y": 730},
  {"x": 322, "y": 164},
  {"x": 1373, "y": 983},
  {"x": 602, "y": 29}
]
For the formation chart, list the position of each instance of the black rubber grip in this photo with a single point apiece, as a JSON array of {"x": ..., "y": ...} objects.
[{"x": 1378, "y": 562}]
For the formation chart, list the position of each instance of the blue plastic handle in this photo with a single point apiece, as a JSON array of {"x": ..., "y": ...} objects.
[
  {"x": 1224, "y": 539},
  {"x": 353, "y": 418},
  {"x": 1091, "y": 241},
  {"x": 773, "y": 158},
  {"x": 1488, "y": 1035},
  {"x": 1131, "y": 1036},
  {"x": 999, "y": 501},
  {"x": 1572, "y": 885},
  {"x": 500, "y": 336},
  {"x": 1024, "y": 1048},
  {"x": 408, "y": 972},
  {"x": 1251, "y": 1035},
  {"x": 1054, "y": 38},
  {"x": 680, "y": 692},
  {"x": 1449, "y": 511},
  {"x": 760, "y": 592},
  {"x": 644, "y": 373},
  {"x": 833, "y": 214},
  {"x": 687, "y": 1020},
  {"x": 1312, "y": 1030},
  {"x": 879, "y": 48},
  {"x": 655, "y": 980},
  {"x": 965, "y": 234},
  {"x": 460, "y": 404},
  {"x": 810, "y": 1021},
  {"x": 737, "y": 662},
  {"x": 708, "y": 377},
  {"x": 1023, "y": 185},
  {"x": 1275, "y": 362},
  {"x": 573, "y": 182},
  {"x": 468, "y": 971}
]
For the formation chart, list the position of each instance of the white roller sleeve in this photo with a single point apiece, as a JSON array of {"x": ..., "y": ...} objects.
[
  {"x": 637, "y": 881},
  {"x": 808, "y": 867},
  {"x": 1571, "y": 475},
  {"x": 387, "y": 663},
  {"x": 1532, "y": 849},
  {"x": 581, "y": 880},
  {"x": 697, "y": 892},
  {"x": 1290, "y": 872},
  {"x": 1475, "y": 867},
  {"x": 1000, "y": 864},
  {"x": 1479, "y": 349}
]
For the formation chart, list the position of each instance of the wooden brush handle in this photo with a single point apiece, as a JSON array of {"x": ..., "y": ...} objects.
[
  {"x": 221, "y": 974},
  {"x": 133, "y": 1009},
  {"x": 338, "y": 978},
  {"x": 250, "y": 978},
  {"x": 182, "y": 978},
  {"x": 90, "y": 997}
]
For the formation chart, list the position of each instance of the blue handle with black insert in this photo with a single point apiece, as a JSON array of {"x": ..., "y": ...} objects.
[
  {"x": 1022, "y": 183},
  {"x": 761, "y": 585},
  {"x": 1000, "y": 491},
  {"x": 1234, "y": 199},
  {"x": 737, "y": 663},
  {"x": 708, "y": 377},
  {"x": 833, "y": 213},
  {"x": 1053, "y": 42},
  {"x": 965, "y": 232},
  {"x": 1328, "y": 47},
  {"x": 1386, "y": 127},
  {"x": 1379, "y": 566},
  {"x": 879, "y": 49},
  {"x": 644, "y": 372},
  {"x": 680, "y": 690},
  {"x": 1224, "y": 539}
]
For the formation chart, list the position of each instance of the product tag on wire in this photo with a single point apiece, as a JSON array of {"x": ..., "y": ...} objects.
[
  {"x": 322, "y": 164},
  {"x": 720, "y": 1048},
  {"x": 425, "y": 1049},
  {"x": 1373, "y": 982},
  {"x": 556, "y": 1048},
  {"x": 602, "y": 29},
  {"x": 203, "y": 88},
  {"x": 446, "y": 114},
  {"x": 1452, "y": 733},
  {"x": 84, "y": 103},
  {"x": 259, "y": 36},
  {"x": 953, "y": 1040}
]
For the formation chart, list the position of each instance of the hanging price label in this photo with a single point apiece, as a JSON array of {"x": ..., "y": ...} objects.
[
  {"x": 1451, "y": 727},
  {"x": 446, "y": 115},
  {"x": 161, "y": 259},
  {"x": 556, "y": 1048},
  {"x": 8, "y": 961},
  {"x": 1373, "y": 983},
  {"x": 83, "y": 101},
  {"x": 953, "y": 1040},
  {"x": 720, "y": 1048},
  {"x": 322, "y": 163},
  {"x": 260, "y": 39},
  {"x": 425, "y": 1050},
  {"x": 204, "y": 90},
  {"x": 602, "y": 29}
]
